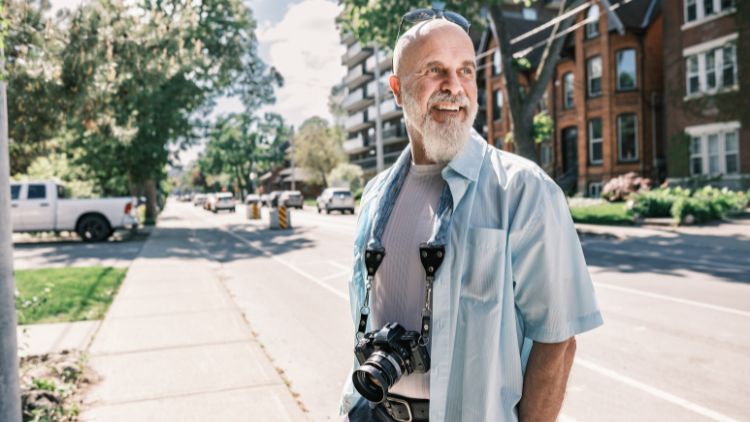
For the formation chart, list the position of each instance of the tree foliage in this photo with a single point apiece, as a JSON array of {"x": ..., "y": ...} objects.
[
  {"x": 240, "y": 144},
  {"x": 346, "y": 175},
  {"x": 378, "y": 21},
  {"x": 318, "y": 148}
]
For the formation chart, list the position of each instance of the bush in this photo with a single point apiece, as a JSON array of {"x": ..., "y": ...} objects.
[
  {"x": 687, "y": 206},
  {"x": 621, "y": 187}
]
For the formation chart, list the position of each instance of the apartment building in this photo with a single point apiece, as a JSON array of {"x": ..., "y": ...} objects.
[
  {"x": 604, "y": 95},
  {"x": 706, "y": 61}
]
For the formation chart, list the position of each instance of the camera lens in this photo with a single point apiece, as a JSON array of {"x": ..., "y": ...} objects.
[{"x": 377, "y": 375}]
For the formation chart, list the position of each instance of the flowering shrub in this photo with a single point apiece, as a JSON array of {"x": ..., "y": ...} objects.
[
  {"x": 686, "y": 206},
  {"x": 621, "y": 187}
]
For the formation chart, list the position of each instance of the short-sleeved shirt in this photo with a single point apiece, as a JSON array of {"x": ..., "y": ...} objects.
[{"x": 514, "y": 273}]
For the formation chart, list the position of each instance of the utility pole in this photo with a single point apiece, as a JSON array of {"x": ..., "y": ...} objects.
[
  {"x": 378, "y": 121},
  {"x": 10, "y": 394}
]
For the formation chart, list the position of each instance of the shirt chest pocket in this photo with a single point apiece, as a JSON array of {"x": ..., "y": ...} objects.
[{"x": 484, "y": 265}]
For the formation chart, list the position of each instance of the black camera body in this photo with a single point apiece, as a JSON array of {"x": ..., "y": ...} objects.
[{"x": 385, "y": 356}]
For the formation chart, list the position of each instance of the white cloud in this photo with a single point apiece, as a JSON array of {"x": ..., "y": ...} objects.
[{"x": 304, "y": 46}]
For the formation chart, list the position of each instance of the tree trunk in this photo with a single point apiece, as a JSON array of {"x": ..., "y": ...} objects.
[{"x": 152, "y": 208}]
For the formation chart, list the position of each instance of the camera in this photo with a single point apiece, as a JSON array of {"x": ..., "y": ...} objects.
[{"x": 385, "y": 356}]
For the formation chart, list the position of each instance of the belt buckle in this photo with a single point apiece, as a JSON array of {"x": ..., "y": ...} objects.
[{"x": 405, "y": 404}]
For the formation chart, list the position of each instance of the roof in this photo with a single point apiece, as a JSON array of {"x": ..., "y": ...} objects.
[{"x": 636, "y": 14}]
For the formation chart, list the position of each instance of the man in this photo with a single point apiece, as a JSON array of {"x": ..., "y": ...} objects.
[{"x": 513, "y": 289}]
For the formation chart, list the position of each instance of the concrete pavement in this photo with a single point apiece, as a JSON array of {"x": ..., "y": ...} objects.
[{"x": 174, "y": 346}]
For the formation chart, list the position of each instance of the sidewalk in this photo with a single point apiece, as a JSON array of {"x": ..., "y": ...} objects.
[
  {"x": 733, "y": 227},
  {"x": 174, "y": 346}
]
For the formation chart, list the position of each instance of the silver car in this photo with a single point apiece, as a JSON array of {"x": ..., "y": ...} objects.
[
  {"x": 292, "y": 199},
  {"x": 340, "y": 199}
]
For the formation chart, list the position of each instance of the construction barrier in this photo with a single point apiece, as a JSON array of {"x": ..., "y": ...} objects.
[
  {"x": 280, "y": 218},
  {"x": 253, "y": 211}
]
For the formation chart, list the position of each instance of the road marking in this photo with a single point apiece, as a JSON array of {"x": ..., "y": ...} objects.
[
  {"x": 674, "y": 299},
  {"x": 336, "y": 275},
  {"x": 711, "y": 414},
  {"x": 286, "y": 264},
  {"x": 339, "y": 265}
]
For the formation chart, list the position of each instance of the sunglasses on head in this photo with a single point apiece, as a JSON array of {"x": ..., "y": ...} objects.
[{"x": 421, "y": 15}]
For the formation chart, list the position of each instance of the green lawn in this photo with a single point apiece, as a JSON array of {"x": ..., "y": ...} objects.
[
  {"x": 66, "y": 294},
  {"x": 606, "y": 213}
]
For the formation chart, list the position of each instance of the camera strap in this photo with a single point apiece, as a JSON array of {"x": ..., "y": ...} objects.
[{"x": 431, "y": 253}]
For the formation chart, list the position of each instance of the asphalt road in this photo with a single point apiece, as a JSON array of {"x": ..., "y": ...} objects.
[{"x": 674, "y": 347}]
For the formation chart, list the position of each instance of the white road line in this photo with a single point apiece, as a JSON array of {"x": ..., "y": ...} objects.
[
  {"x": 675, "y": 299},
  {"x": 339, "y": 265},
  {"x": 679, "y": 401},
  {"x": 336, "y": 275},
  {"x": 287, "y": 264}
]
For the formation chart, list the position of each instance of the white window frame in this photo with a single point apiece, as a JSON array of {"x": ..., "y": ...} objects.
[
  {"x": 593, "y": 140},
  {"x": 595, "y": 189},
  {"x": 498, "y": 102},
  {"x": 589, "y": 77},
  {"x": 700, "y": 12},
  {"x": 619, "y": 139},
  {"x": 703, "y": 132},
  {"x": 635, "y": 71},
  {"x": 592, "y": 25},
  {"x": 700, "y": 52},
  {"x": 572, "y": 90}
]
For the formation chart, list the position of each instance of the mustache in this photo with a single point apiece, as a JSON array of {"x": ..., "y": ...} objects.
[{"x": 442, "y": 97}]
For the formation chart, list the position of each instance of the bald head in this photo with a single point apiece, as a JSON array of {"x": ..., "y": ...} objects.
[{"x": 440, "y": 31}]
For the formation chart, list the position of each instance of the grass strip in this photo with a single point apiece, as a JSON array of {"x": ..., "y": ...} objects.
[{"x": 66, "y": 294}]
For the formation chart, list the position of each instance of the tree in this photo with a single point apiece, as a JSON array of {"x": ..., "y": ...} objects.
[
  {"x": 141, "y": 77},
  {"x": 379, "y": 21},
  {"x": 240, "y": 144},
  {"x": 318, "y": 148},
  {"x": 346, "y": 175}
]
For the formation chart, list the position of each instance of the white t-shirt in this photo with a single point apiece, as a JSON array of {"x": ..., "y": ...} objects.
[{"x": 398, "y": 292}]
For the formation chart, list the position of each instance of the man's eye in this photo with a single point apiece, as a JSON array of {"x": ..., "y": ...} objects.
[
  {"x": 467, "y": 71},
  {"x": 434, "y": 69}
]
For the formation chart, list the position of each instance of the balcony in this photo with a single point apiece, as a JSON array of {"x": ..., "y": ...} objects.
[
  {"x": 394, "y": 133},
  {"x": 372, "y": 86},
  {"x": 357, "y": 121},
  {"x": 347, "y": 38},
  {"x": 357, "y": 100},
  {"x": 355, "y": 54},
  {"x": 368, "y": 164},
  {"x": 384, "y": 62},
  {"x": 356, "y": 77},
  {"x": 356, "y": 145},
  {"x": 389, "y": 109}
]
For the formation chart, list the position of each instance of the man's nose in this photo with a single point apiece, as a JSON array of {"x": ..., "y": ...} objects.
[{"x": 451, "y": 84}]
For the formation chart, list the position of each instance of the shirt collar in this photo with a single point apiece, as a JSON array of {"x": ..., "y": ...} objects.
[{"x": 468, "y": 161}]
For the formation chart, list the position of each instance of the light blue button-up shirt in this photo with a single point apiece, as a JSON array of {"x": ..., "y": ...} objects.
[{"x": 514, "y": 273}]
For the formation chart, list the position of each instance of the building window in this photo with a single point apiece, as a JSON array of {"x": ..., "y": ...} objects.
[
  {"x": 715, "y": 152},
  {"x": 626, "y": 70},
  {"x": 568, "y": 90},
  {"x": 595, "y": 190},
  {"x": 594, "y": 76},
  {"x": 627, "y": 137},
  {"x": 592, "y": 19},
  {"x": 696, "y": 10},
  {"x": 497, "y": 63},
  {"x": 595, "y": 141},
  {"x": 545, "y": 154},
  {"x": 497, "y": 107},
  {"x": 713, "y": 70}
]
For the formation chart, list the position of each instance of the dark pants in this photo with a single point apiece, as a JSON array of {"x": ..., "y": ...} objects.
[{"x": 364, "y": 412}]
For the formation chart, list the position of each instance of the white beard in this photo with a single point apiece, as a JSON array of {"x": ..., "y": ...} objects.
[{"x": 441, "y": 141}]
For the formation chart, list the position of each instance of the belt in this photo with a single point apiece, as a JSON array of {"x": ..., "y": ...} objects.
[{"x": 404, "y": 409}]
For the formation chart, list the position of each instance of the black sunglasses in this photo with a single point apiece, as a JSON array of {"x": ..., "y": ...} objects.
[{"x": 421, "y": 15}]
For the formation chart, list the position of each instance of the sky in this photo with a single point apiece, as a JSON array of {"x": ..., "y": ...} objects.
[{"x": 300, "y": 39}]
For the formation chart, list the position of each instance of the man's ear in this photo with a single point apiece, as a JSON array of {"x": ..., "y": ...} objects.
[{"x": 395, "y": 84}]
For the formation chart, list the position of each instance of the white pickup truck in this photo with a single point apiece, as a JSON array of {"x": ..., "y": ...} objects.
[{"x": 42, "y": 206}]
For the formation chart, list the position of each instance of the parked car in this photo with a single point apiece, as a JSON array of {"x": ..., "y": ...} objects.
[
  {"x": 249, "y": 199},
  {"x": 223, "y": 201},
  {"x": 340, "y": 199},
  {"x": 292, "y": 199},
  {"x": 42, "y": 206},
  {"x": 210, "y": 200},
  {"x": 199, "y": 199}
]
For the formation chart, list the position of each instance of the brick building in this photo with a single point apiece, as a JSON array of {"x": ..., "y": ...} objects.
[
  {"x": 604, "y": 95},
  {"x": 706, "y": 57}
]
